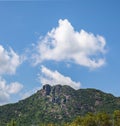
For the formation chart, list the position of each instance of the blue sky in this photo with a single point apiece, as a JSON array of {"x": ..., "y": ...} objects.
[{"x": 68, "y": 42}]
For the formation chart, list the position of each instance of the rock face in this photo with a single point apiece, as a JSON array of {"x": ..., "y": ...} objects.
[
  {"x": 55, "y": 90},
  {"x": 54, "y": 93},
  {"x": 47, "y": 89}
]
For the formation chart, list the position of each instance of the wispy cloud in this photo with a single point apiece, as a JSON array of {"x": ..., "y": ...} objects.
[
  {"x": 63, "y": 43},
  {"x": 6, "y": 90},
  {"x": 54, "y": 77},
  {"x": 30, "y": 92},
  {"x": 9, "y": 61}
]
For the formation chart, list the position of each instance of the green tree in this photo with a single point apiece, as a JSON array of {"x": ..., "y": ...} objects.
[
  {"x": 116, "y": 120},
  {"x": 12, "y": 123},
  {"x": 103, "y": 119},
  {"x": 89, "y": 120}
]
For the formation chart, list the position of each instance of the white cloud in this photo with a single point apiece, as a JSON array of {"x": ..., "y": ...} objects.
[
  {"x": 4, "y": 98},
  {"x": 14, "y": 87},
  {"x": 54, "y": 78},
  {"x": 63, "y": 43},
  {"x": 9, "y": 61},
  {"x": 29, "y": 93},
  {"x": 7, "y": 89}
]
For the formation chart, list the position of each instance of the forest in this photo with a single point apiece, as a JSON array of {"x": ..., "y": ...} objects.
[{"x": 90, "y": 119}]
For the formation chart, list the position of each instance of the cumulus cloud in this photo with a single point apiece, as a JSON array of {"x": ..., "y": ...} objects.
[
  {"x": 9, "y": 61},
  {"x": 63, "y": 43},
  {"x": 6, "y": 90},
  {"x": 54, "y": 77}
]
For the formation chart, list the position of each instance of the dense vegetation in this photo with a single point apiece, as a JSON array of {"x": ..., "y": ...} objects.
[
  {"x": 58, "y": 105},
  {"x": 90, "y": 119}
]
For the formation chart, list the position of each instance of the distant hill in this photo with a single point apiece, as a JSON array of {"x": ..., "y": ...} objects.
[{"x": 57, "y": 104}]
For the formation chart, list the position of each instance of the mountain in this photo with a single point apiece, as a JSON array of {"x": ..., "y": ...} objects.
[{"x": 57, "y": 104}]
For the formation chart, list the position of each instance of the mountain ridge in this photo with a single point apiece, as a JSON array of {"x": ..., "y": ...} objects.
[{"x": 58, "y": 104}]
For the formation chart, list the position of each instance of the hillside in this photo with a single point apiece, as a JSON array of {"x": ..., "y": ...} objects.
[{"x": 57, "y": 104}]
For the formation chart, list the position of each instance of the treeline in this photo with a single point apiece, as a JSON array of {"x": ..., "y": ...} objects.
[
  {"x": 99, "y": 119},
  {"x": 90, "y": 119}
]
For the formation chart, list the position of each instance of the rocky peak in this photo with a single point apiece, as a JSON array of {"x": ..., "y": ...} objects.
[
  {"x": 47, "y": 89},
  {"x": 56, "y": 89},
  {"x": 52, "y": 89}
]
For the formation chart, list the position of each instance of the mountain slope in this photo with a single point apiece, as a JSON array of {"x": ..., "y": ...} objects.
[{"x": 57, "y": 104}]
